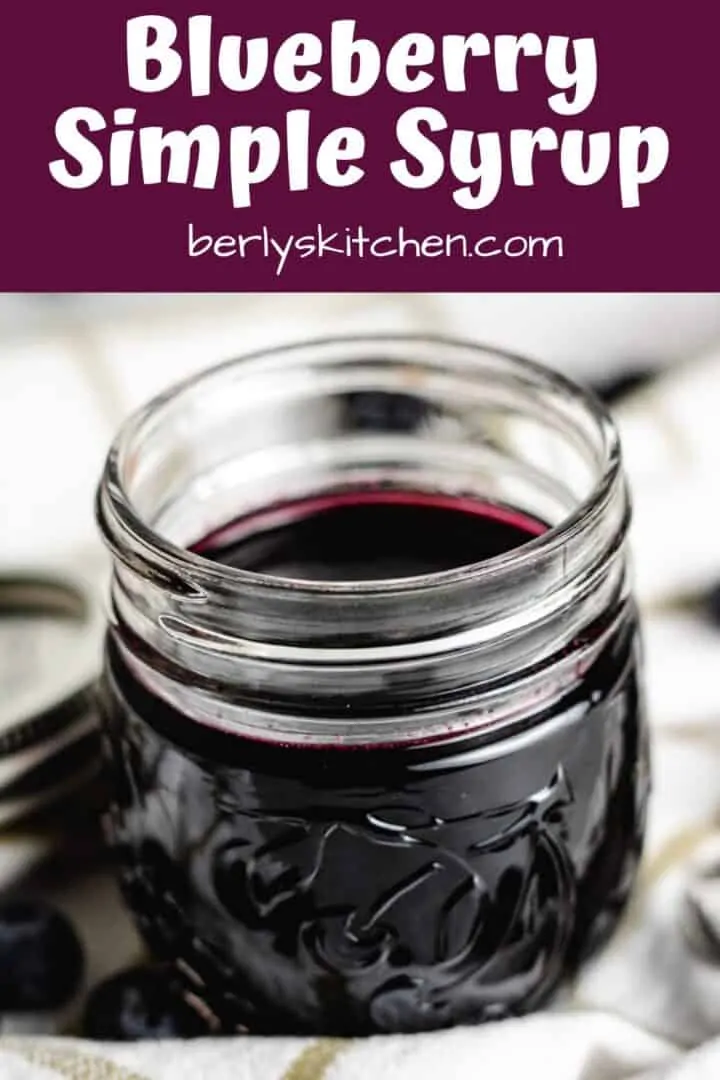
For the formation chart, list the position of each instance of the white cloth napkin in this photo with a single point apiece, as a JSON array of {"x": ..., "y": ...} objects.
[{"x": 648, "y": 1007}]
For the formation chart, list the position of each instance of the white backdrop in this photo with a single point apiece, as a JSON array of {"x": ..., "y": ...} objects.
[{"x": 71, "y": 366}]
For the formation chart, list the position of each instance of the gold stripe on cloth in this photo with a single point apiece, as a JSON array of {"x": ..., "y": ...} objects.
[
  {"x": 65, "y": 1061},
  {"x": 315, "y": 1060}
]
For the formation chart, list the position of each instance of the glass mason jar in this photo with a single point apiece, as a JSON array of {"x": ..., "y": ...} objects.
[{"x": 351, "y": 802}]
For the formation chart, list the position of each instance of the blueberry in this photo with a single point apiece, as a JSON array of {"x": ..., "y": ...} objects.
[
  {"x": 711, "y": 603},
  {"x": 376, "y": 410},
  {"x": 41, "y": 959},
  {"x": 624, "y": 382},
  {"x": 142, "y": 1003}
]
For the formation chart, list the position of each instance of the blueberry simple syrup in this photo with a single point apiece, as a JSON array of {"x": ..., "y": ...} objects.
[
  {"x": 361, "y": 537},
  {"x": 410, "y": 887}
]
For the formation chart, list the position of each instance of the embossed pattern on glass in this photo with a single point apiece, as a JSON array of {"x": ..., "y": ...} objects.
[{"x": 361, "y": 890}]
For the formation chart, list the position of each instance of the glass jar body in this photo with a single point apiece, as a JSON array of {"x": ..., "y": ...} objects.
[
  {"x": 349, "y": 891},
  {"x": 347, "y": 807}
]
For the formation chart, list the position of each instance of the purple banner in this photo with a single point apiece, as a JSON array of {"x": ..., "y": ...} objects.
[{"x": 463, "y": 147}]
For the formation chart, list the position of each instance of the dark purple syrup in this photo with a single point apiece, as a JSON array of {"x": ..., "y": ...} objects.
[
  {"x": 387, "y": 888},
  {"x": 364, "y": 536}
]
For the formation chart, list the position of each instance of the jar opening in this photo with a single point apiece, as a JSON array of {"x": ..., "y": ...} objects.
[{"x": 427, "y": 416}]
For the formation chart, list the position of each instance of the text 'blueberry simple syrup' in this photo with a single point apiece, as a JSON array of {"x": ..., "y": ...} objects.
[{"x": 405, "y": 887}]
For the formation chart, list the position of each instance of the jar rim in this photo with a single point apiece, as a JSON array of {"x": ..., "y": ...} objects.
[{"x": 168, "y": 558}]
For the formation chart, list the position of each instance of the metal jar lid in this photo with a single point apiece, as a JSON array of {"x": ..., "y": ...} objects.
[{"x": 50, "y": 641}]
